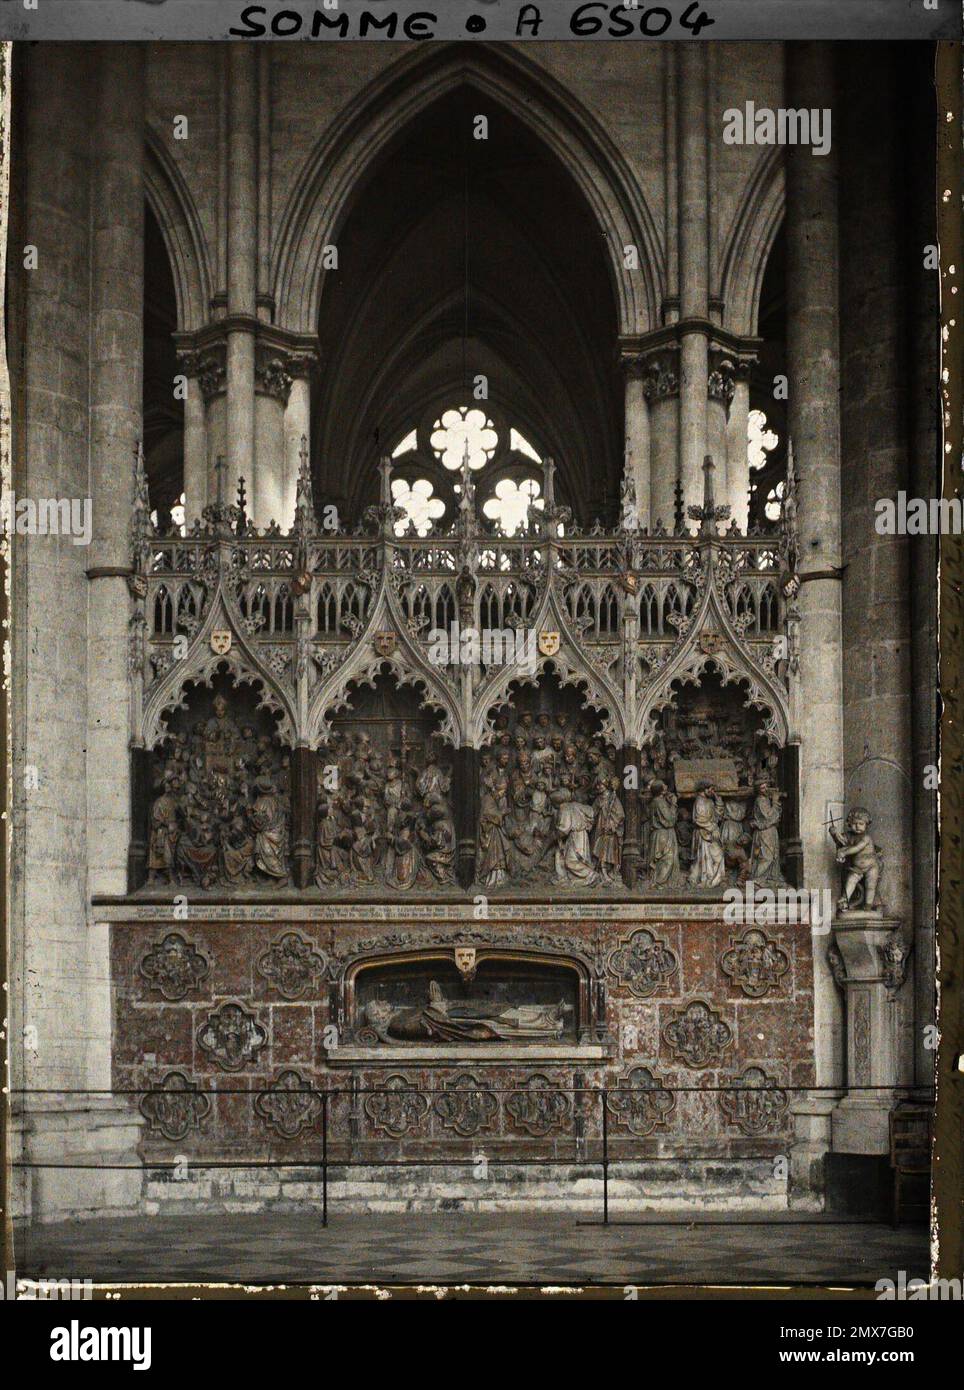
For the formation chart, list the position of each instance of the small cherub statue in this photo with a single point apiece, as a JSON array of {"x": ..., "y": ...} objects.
[{"x": 860, "y": 859}]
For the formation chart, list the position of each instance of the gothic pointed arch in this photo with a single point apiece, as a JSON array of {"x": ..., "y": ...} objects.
[
  {"x": 337, "y": 166},
  {"x": 204, "y": 658},
  {"x": 566, "y": 661},
  {"x": 710, "y": 640},
  {"x": 170, "y": 200},
  {"x": 386, "y": 646},
  {"x": 754, "y": 231}
]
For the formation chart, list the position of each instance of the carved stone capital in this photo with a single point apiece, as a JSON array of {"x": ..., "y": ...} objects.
[
  {"x": 207, "y": 366},
  {"x": 271, "y": 375}
]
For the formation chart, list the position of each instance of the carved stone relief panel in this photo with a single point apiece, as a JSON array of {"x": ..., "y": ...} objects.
[
  {"x": 550, "y": 805},
  {"x": 755, "y": 962},
  {"x": 385, "y": 818},
  {"x": 396, "y": 1107},
  {"x": 232, "y": 1037},
  {"x": 175, "y": 1107},
  {"x": 173, "y": 966},
  {"x": 220, "y": 814},
  {"x": 641, "y": 1102},
  {"x": 289, "y": 1105},
  {"x": 292, "y": 966},
  {"x": 757, "y": 1105},
  {"x": 465, "y": 1105},
  {"x": 539, "y": 1107},
  {"x": 643, "y": 963},
  {"x": 711, "y": 804},
  {"x": 697, "y": 1036}
]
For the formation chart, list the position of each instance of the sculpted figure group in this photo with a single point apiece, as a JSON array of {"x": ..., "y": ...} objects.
[
  {"x": 384, "y": 816},
  {"x": 220, "y": 816},
  {"x": 550, "y": 809},
  {"x": 725, "y": 838},
  {"x": 549, "y": 804}
]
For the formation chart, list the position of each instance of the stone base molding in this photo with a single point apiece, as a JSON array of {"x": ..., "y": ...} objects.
[{"x": 91, "y": 1147}]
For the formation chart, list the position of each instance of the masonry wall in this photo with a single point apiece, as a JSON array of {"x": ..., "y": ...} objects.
[
  {"x": 316, "y": 91},
  {"x": 768, "y": 1028}
]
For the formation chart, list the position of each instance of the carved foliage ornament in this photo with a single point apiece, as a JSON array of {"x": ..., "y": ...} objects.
[
  {"x": 292, "y": 965},
  {"x": 175, "y": 1107},
  {"x": 697, "y": 1035},
  {"x": 173, "y": 966},
  {"x": 643, "y": 963},
  {"x": 232, "y": 1037}
]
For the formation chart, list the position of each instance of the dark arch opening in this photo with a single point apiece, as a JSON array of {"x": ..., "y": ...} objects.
[
  {"x": 163, "y": 412},
  {"x": 772, "y": 329},
  {"x": 465, "y": 256}
]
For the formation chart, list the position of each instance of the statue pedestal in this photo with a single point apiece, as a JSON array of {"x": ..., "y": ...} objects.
[{"x": 860, "y": 1120}]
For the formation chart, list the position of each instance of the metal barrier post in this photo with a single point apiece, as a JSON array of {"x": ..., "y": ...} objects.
[
  {"x": 605, "y": 1155},
  {"x": 324, "y": 1157}
]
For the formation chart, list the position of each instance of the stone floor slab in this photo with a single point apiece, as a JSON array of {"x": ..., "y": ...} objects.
[{"x": 465, "y": 1248}]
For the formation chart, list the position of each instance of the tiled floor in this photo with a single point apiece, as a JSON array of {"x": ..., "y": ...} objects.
[{"x": 462, "y": 1248}]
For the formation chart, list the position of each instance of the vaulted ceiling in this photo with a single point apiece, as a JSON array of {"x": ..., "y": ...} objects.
[{"x": 462, "y": 256}]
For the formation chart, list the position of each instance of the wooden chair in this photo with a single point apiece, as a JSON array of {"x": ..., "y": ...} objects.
[{"x": 911, "y": 1135}]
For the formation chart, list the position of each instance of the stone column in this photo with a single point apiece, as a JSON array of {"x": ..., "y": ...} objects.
[
  {"x": 637, "y": 435},
  {"x": 304, "y": 797},
  {"x": 242, "y": 236},
  {"x": 116, "y": 394},
  {"x": 116, "y": 400},
  {"x": 662, "y": 394},
  {"x": 465, "y": 800},
  {"x": 297, "y": 426},
  {"x": 719, "y": 394},
  {"x": 737, "y": 457},
  {"x": 693, "y": 270},
  {"x": 195, "y": 454},
  {"x": 51, "y": 445},
  {"x": 272, "y": 384},
  {"x": 878, "y": 688},
  {"x": 77, "y": 425},
  {"x": 812, "y": 1138},
  {"x": 631, "y": 837},
  {"x": 813, "y": 359}
]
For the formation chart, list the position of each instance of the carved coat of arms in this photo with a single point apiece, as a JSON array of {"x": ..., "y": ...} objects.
[
  {"x": 220, "y": 641},
  {"x": 385, "y": 642},
  {"x": 548, "y": 643}
]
